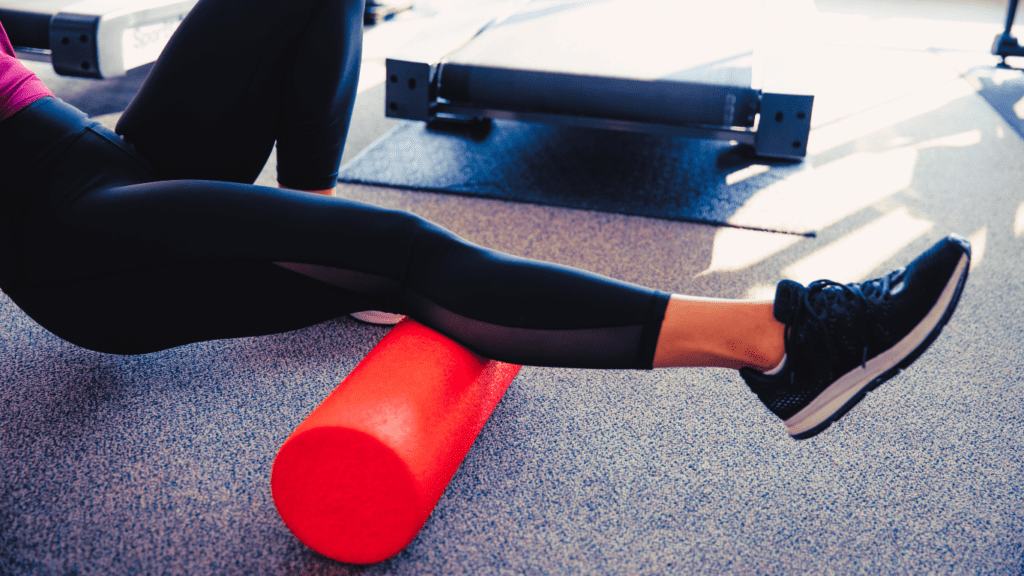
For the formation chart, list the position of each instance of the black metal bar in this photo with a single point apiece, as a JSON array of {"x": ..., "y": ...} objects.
[
  {"x": 27, "y": 29},
  {"x": 740, "y": 135},
  {"x": 655, "y": 101}
]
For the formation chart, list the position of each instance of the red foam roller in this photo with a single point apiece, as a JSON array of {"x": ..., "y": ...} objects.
[{"x": 358, "y": 478}]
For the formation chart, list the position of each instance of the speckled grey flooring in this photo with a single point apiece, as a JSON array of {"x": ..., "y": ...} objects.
[{"x": 159, "y": 464}]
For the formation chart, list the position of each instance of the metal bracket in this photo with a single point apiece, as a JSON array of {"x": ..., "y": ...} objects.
[
  {"x": 103, "y": 39},
  {"x": 783, "y": 126},
  {"x": 410, "y": 91},
  {"x": 73, "y": 46}
]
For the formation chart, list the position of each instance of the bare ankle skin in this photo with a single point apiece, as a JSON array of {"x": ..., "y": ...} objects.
[{"x": 719, "y": 333}]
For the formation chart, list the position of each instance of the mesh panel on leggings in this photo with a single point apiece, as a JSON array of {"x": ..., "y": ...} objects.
[{"x": 603, "y": 347}]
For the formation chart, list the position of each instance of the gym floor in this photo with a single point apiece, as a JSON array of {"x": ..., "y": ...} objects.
[{"x": 160, "y": 464}]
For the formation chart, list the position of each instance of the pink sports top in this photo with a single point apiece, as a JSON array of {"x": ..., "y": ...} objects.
[{"x": 19, "y": 87}]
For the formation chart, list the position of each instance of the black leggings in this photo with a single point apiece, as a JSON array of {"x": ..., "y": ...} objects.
[{"x": 157, "y": 239}]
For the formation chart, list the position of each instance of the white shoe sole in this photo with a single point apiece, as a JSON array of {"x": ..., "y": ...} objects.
[{"x": 377, "y": 317}]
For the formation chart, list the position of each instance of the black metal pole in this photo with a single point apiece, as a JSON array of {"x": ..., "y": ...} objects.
[
  {"x": 1009, "y": 16},
  {"x": 1005, "y": 44}
]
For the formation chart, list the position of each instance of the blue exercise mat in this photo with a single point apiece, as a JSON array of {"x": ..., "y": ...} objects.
[{"x": 627, "y": 173}]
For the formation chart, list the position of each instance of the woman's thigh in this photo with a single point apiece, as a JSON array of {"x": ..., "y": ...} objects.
[
  {"x": 148, "y": 266},
  {"x": 144, "y": 267},
  {"x": 238, "y": 75}
]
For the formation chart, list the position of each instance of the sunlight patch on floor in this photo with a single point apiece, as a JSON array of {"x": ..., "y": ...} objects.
[
  {"x": 999, "y": 76},
  {"x": 854, "y": 256},
  {"x": 961, "y": 140},
  {"x": 1018, "y": 222},
  {"x": 371, "y": 74},
  {"x": 815, "y": 199},
  {"x": 742, "y": 174},
  {"x": 760, "y": 292},
  {"x": 887, "y": 116},
  {"x": 736, "y": 249},
  {"x": 949, "y": 31},
  {"x": 977, "y": 241}
]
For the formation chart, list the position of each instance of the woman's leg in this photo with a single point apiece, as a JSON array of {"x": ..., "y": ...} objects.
[
  {"x": 111, "y": 262},
  {"x": 238, "y": 75},
  {"x": 142, "y": 267}
]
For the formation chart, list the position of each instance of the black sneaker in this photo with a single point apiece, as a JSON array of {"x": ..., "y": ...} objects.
[{"x": 842, "y": 341}]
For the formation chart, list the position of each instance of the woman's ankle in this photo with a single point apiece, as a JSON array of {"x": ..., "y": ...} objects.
[{"x": 722, "y": 333}]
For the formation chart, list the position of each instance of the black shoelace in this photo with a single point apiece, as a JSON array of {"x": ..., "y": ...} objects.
[{"x": 824, "y": 299}]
